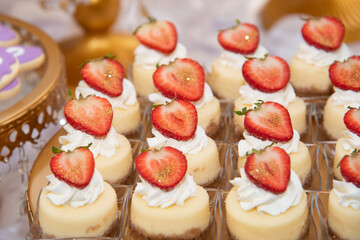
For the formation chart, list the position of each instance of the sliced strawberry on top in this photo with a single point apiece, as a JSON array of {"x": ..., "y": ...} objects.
[
  {"x": 242, "y": 38},
  {"x": 268, "y": 75},
  {"x": 104, "y": 75},
  {"x": 270, "y": 121},
  {"x": 182, "y": 79},
  {"x": 158, "y": 35},
  {"x": 76, "y": 168},
  {"x": 269, "y": 169},
  {"x": 346, "y": 75},
  {"x": 350, "y": 168},
  {"x": 352, "y": 120},
  {"x": 177, "y": 119},
  {"x": 324, "y": 33},
  {"x": 92, "y": 115},
  {"x": 163, "y": 168}
]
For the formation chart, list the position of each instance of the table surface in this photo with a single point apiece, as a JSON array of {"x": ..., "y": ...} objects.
[{"x": 197, "y": 29}]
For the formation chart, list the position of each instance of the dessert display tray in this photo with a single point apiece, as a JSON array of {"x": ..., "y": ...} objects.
[
  {"x": 42, "y": 93},
  {"x": 322, "y": 153}
]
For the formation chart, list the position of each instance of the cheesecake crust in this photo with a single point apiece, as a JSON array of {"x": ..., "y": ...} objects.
[{"x": 138, "y": 233}]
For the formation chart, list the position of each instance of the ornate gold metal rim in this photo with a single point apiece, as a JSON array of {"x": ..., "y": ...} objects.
[{"x": 49, "y": 89}]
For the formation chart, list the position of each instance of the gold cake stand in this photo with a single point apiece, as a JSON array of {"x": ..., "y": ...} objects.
[{"x": 19, "y": 122}]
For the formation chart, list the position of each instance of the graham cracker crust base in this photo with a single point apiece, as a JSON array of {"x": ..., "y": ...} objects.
[
  {"x": 110, "y": 232},
  {"x": 213, "y": 128},
  {"x": 136, "y": 233},
  {"x": 308, "y": 181},
  {"x": 312, "y": 92},
  {"x": 333, "y": 235}
]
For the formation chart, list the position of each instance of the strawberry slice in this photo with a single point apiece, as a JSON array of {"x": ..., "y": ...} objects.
[
  {"x": 182, "y": 79},
  {"x": 268, "y": 75},
  {"x": 269, "y": 169},
  {"x": 352, "y": 120},
  {"x": 92, "y": 115},
  {"x": 104, "y": 75},
  {"x": 270, "y": 121},
  {"x": 158, "y": 35},
  {"x": 324, "y": 33},
  {"x": 350, "y": 168},
  {"x": 177, "y": 119},
  {"x": 76, "y": 168},
  {"x": 242, "y": 38},
  {"x": 163, "y": 168},
  {"x": 346, "y": 75}
]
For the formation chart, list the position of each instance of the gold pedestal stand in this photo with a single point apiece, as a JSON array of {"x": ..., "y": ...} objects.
[{"x": 96, "y": 19}]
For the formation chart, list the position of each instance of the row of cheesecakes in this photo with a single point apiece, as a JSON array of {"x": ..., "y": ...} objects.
[{"x": 181, "y": 157}]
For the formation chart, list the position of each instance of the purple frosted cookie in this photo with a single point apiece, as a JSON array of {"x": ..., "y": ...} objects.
[
  {"x": 9, "y": 67},
  {"x": 10, "y": 90},
  {"x": 29, "y": 57},
  {"x": 8, "y": 37}
]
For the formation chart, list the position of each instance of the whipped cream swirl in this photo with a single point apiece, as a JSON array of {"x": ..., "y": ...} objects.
[
  {"x": 148, "y": 58},
  {"x": 61, "y": 193},
  {"x": 346, "y": 98},
  {"x": 284, "y": 96},
  {"x": 207, "y": 96},
  {"x": 127, "y": 98},
  {"x": 251, "y": 196},
  {"x": 105, "y": 146},
  {"x": 348, "y": 193},
  {"x": 155, "y": 197},
  {"x": 191, "y": 146},
  {"x": 236, "y": 60},
  {"x": 321, "y": 58},
  {"x": 251, "y": 142},
  {"x": 350, "y": 141}
]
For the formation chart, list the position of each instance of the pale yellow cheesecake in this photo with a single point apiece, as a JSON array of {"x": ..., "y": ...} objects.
[
  {"x": 204, "y": 166},
  {"x": 225, "y": 81},
  {"x": 116, "y": 169},
  {"x": 300, "y": 163},
  {"x": 252, "y": 225},
  {"x": 142, "y": 78},
  {"x": 91, "y": 220},
  {"x": 186, "y": 221},
  {"x": 297, "y": 111},
  {"x": 334, "y": 119},
  {"x": 209, "y": 116},
  {"x": 126, "y": 121},
  {"x": 343, "y": 222},
  {"x": 308, "y": 78}
]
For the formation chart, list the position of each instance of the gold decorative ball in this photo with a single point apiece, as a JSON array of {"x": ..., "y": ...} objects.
[{"x": 98, "y": 15}]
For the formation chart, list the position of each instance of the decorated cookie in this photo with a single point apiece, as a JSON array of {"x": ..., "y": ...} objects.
[
  {"x": 10, "y": 90},
  {"x": 9, "y": 67},
  {"x": 29, "y": 57},
  {"x": 8, "y": 37}
]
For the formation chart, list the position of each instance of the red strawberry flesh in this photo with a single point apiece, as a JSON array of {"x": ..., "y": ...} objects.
[
  {"x": 346, "y": 75},
  {"x": 75, "y": 168},
  {"x": 269, "y": 169},
  {"x": 352, "y": 120},
  {"x": 350, "y": 168},
  {"x": 324, "y": 33},
  {"x": 183, "y": 79},
  {"x": 92, "y": 115},
  {"x": 243, "y": 38},
  {"x": 163, "y": 168},
  {"x": 177, "y": 119},
  {"x": 104, "y": 75},
  {"x": 270, "y": 122},
  {"x": 158, "y": 35},
  {"x": 267, "y": 75}
]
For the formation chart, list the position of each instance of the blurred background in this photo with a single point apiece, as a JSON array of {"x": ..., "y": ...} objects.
[{"x": 91, "y": 28}]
